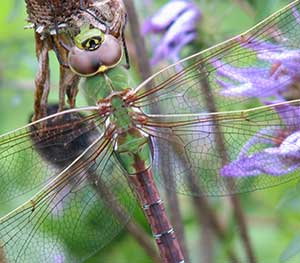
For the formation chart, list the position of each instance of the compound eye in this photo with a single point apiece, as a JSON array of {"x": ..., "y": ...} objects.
[
  {"x": 92, "y": 43},
  {"x": 89, "y": 62}
]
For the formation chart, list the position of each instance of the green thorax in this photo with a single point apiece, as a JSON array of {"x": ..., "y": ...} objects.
[
  {"x": 102, "y": 85},
  {"x": 133, "y": 148},
  {"x": 120, "y": 115}
]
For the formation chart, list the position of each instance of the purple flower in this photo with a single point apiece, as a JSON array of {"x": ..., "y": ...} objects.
[
  {"x": 58, "y": 258},
  {"x": 281, "y": 153},
  {"x": 275, "y": 78},
  {"x": 177, "y": 22},
  {"x": 296, "y": 14}
]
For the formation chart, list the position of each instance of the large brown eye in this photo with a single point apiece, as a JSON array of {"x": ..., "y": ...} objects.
[
  {"x": 90, "y": 62},
  {"x": 92, "y": 43}
]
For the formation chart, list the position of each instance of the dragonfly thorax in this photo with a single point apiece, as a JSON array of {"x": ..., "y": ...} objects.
[
  {"x": 132, "y": 147},
  {"x": 133, "y": 150},
  {"x": 120, "y": 114}
]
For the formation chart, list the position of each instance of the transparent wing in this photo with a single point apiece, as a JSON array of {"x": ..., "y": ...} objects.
[
  {"x": 226, "y": 152},
  {"x": 23, "y": 169},
  {"x": 75, "y": 214},
  {"x": 232, "y": 74}
]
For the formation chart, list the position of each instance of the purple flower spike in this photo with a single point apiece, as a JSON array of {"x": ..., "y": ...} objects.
[
  {"x": 177, "y": 21},
  {"x": 282, "y": 155},
  {"x": 59, "y": 258},
  {"x": 296, "y": 14},
  {"x": 260, "y": 163},
  {"x": 290, "y": 116},
  {"x": 164, "y": 18},
  {"x": 278, "y": 79}
]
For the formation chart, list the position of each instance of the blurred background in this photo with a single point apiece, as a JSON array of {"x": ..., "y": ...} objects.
[{"x": 272, "y": 216}]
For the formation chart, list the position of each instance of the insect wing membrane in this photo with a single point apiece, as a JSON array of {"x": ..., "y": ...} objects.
[
  {"x": 85, "y": 185},
  {"x": 230, "y": 151}
]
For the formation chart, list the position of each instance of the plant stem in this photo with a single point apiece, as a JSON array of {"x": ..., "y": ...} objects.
[
  {"x": 139, "y": 42},
  {"x": 220, "y": 144}
]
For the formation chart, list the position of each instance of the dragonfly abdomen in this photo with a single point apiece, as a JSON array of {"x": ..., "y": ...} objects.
[
  {"x": 154, "y": 210},
  {"x": 134, "y": 152}
]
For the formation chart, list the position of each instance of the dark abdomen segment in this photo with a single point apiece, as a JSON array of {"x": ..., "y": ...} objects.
[
  {"x": 154, "y": 209},
  {"x": 135, "y": 156}
]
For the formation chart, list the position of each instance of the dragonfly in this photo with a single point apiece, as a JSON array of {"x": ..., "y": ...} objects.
[
  {"x": 188, "y": 120},
  {"x": 45, "y": 16}
]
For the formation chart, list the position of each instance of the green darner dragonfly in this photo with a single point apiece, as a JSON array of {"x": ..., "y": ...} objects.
[{"x": 187, "y": 119}]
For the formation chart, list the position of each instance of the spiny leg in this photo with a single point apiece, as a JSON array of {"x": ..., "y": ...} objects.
[
  {"x": 45, "y": 95},
  {"x": 56, "y": 50},
  {"x": 42, "y": 79},
  {"x": 68, "y": 86},
  {"x": 68, "y": 81},
  {"x": 127, "y": 65},
  {"x": 72, "y": 82}
]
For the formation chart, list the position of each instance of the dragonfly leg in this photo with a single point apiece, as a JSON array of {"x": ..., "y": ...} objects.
[
  {"x": 71, "y": 82},
  {"x": 68, "y": 82},
  {"x": 60, "y": 42},
  {"x": 57, "y": 51},
  {"x": 44, "y": 100},
  {"x": 42, "y": 80},
  {"x": 127, "y": 65}
]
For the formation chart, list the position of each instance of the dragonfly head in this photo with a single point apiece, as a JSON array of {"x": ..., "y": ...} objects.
[{"x": 94, "y": 52}]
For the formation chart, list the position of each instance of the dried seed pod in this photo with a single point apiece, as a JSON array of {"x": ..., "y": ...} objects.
[
  {"x": 40, "y": 12},
  {"x": 68, "y": 13}
]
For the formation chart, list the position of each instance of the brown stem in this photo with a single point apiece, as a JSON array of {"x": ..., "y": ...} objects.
[
  {"x": 175, "y": 215},
  {"x": 139, "y": 42},
  {"x": 207, "y": 242},
  {"x": 2, "y": 255},
  {"x": 240, "y": 217},
  {"x": 143, "y": 239},
  {"x": 203, "y": 209},
  {"x": 220, "y": 144}
]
